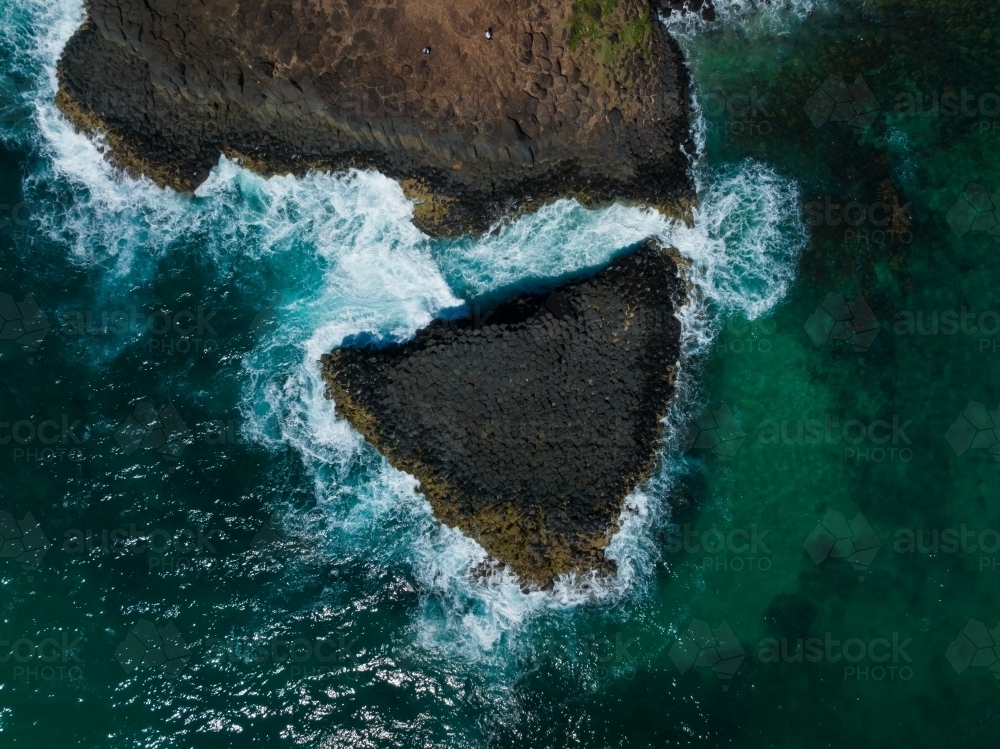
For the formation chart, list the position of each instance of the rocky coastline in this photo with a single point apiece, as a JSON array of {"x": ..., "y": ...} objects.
[
  {"x": 526, "y": 432},
  {"x": 479, "y": 109},
  {"x": 528, "y": 426}
]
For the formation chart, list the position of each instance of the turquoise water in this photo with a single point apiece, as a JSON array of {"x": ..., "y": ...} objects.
[{"x": 247, "y": 571}]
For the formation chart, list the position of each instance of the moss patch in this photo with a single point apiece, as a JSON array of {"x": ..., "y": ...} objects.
[
  {"x": 432, "y": 211},
  {"x": 610, "y": 31}
]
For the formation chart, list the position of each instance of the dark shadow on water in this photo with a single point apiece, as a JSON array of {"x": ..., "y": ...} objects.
[{"x": 506, "y": 305}]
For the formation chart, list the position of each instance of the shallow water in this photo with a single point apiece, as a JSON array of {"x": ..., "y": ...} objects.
[{"x": 318, "y": 601}]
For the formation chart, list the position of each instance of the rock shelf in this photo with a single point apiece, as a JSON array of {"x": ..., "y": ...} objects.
[
  {"x": 565, "y": 98},
  {"x": 528, "y": 427}
]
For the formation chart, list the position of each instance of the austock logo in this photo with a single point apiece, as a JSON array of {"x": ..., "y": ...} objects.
[
  {"x": 269, "y": 535},
  {"x": 975, "y": 210},
  {"x": 184, "y": 331},
  {"x": 976, "y": 647},
  {"x": 752, "y": 337},
  {"x": 875, "y": 441},
  {"x": 976, "y": 429},
  {"x": 45, "y": 660},
  {"x": 12, "y": 97},
  {"x": 266, "y": 320},
  {"x": 837, "y": 319},
  {"x": 963, "y": 539},
  {"x": 837, "y": 101},
  {"x": 18, "y": 215},
  {"x": 23, "y": 540},
  {"x": 167, "y": 550},
  {"x": 164, "y": 650},
  {"x": 747, "y": 112},
  {"x": 738, "y": 550},
  {"x": 879, "y": 659},
  {"x": 22, "y": 322},
  {"x": 301, "y": 656},
  {"x": 700, "y": 646},
  {"x": 864, "y": 223},
  {"x": 555, "y": 303},
  {"x": 46, "y": 441},
  {"x": 835, "y": 537},
  {"x": 163, "y": 431},
  {"x": 150, "y": 647},
  {"x": 717, "y": 432}
]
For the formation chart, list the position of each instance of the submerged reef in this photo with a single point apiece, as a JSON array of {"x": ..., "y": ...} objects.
[{"x": 528, "y": 426}]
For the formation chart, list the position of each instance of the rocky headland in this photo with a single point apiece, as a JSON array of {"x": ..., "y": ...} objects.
[
  {"x": 528, "y": 426},
  {"x": 480, "y": 108}
]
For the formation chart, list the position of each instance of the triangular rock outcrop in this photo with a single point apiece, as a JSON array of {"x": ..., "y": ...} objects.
[{"x": 528, "y": 427}]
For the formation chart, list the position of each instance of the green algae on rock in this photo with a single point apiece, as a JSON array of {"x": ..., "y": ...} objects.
[
  {"x": 581, "y": 99},
  {"x": 529, "y": 426}
]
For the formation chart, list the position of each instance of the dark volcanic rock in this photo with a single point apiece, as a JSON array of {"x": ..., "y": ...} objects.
[
  {"x": 529, "y": 427},
  {"x": 587, "y": 98}
]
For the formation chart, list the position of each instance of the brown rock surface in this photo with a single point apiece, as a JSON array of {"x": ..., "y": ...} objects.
[
  {"x": 528, "y": 428},
  {"x": 587, "y": 98}
]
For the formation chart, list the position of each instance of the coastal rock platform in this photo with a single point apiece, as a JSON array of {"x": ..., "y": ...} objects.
[
  {"x": 480, "y": 108},
  {"x": 529, "y": 426}
]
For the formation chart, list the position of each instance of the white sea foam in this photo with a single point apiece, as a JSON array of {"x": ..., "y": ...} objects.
[
  {"x": 375, "y": 272},
  {"x": 742, "y": 250},
  {"x": 32, "y": 35},
  {"x": 750, "y": 16}
]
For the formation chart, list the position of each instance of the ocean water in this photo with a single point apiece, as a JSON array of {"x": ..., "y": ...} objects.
[{"x": 242, "y": 569}]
